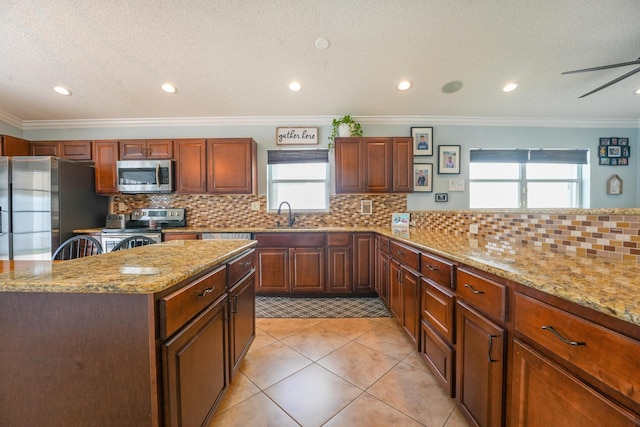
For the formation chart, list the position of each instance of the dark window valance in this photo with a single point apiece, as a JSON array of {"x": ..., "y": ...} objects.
[
  {"x": 275, "y": 157},
  {"x": 578, "y": 157}
]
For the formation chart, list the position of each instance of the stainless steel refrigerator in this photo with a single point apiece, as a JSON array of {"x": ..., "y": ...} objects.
[{"x": 42, "y": 200}]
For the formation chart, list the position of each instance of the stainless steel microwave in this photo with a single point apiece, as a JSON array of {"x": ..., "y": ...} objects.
[{"x": 145, "y": 176}]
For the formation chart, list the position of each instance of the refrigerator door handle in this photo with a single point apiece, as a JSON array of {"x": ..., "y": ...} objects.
[{"x": 1, "y": 221}]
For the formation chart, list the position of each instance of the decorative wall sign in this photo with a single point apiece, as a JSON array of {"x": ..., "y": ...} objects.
[
  {"x": 614, "y": 185},
  {"x": 423, "y": 177},
  {"x": 422, "y": 141},
  {"x": 449, "y": 159},
  {"x": 296, "y": 136},
  {"x": 366, "y": 207},
  {"x": 456, "y": 184},
  {"x": 442, "y": 197},
  {"x": 614, "y": 151}
]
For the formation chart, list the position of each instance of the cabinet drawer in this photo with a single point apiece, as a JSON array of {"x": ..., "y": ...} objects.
[
  {"x": 602, "y": 353},
  {"x": 178, "y": 308},
  {"x": 290, "y": 240},
  {"x": 484, "y": 294},
  {"x": 240, "y": 266},
  {"x": 440, "y": 271},
  {"x": 338, "y": 239},
  {"x": 439, "y": 357},
  {"x": 406, "y": 255},
  {"x": 438, "y": 309}
]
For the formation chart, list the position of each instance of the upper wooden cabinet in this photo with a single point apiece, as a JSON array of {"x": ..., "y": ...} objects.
[
  {"x": 12, "y": 146},
  {"x": 374, "y": 165},
  {"x": 232, "y": 166},
  {"x": 105, "y": 158},
  {"x": 72, "y": 150},
  {"x": 191, "y": 166},
  {"x": 140, "y": 149}
]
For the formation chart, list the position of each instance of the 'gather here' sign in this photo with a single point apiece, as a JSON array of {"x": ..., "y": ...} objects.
[{"x": 295, "y": 136}]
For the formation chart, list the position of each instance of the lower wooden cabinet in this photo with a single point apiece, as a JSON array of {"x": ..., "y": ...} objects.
[
  {"x": 363, "y": 262},
  {"x": 339, "y": 253},
  {"x": 382, "y": 277},
  {"x": 307, "y": 269},
  {"x": 195, "y": 368},
  {"x": 242, "y": 319},
  {"x": 439, "y": 356},
  {"x": 272, "y": 270},
  {"x": 544, "y": 394},
  {"x": 480, "y": 367},
  {"x": 411, "y": 289}
]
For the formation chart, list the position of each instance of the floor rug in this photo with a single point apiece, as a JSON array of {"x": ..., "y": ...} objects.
[{"x": 285, "y": 307}]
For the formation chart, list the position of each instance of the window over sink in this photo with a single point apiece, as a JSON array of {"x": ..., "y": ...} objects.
[{"x": 300, "y": 177}]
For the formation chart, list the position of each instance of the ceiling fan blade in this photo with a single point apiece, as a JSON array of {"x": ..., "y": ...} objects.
[
  {"x": 604, "y": 67},
  {"x": 624, "y": 76}
]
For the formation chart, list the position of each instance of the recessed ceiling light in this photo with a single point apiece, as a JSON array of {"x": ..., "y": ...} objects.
[
  {"x": 322, "y": 43},
  {"x": 295, "y": 86},
  {"x": 404, "y": 85},
  {"x": 510, "y": 87},
  {"x": 169, "y": 88},
  {"x": 452, "y": 86},
  {"x": 62, "y": 90},
  {"x": 638, "y": 92}
]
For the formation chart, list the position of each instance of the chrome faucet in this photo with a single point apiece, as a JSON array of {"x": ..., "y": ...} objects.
[{"x": 292, "y": 219}]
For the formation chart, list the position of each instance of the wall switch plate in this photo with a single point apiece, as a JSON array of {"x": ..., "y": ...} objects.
[
  {"x": 473, "y": 228},
  {"x": 255, "y": 206}
]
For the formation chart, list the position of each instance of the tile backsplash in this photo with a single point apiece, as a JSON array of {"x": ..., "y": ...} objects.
[{"x": 611, "y": 233}]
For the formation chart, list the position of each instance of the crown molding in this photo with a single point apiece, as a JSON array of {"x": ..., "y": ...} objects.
[{"x": 318, "y": 121}]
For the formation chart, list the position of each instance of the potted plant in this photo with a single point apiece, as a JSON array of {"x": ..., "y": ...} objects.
[{"x": 344, "y": 126}]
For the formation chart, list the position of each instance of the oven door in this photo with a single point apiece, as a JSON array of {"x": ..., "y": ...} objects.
[
  {"x": 110, "y": 240},
  {"x": 145, "y": 176}
]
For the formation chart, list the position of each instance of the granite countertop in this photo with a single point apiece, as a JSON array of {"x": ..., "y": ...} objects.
[{"x": 142, "y": 270}]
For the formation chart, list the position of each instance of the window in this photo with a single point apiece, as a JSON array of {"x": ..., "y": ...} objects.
[
  {"x": 299, "y": 177},
  {"x": 522, "y": 178}
]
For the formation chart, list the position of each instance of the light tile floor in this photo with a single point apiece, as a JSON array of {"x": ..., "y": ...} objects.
[{"x": 334, "y": 372}]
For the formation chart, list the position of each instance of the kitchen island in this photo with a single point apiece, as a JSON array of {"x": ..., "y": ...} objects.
[{"x": 131, "y": 338}]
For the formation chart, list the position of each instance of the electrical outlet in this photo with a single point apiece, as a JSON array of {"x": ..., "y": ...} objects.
[
  {"x": 121, "y": 207},
  {"x": 473, "y": 228},
  {"x": 255, "y": 206}
]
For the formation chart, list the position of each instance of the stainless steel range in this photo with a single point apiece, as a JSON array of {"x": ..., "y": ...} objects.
[{"x": 144, "y": 222}]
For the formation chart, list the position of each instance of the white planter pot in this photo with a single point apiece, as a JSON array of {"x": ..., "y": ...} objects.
[{"x": 344, "y": 130}]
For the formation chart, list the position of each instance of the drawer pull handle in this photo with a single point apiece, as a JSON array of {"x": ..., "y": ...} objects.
[
  {"x": 431, "y": 268},
  {"x": 491, "y": 337},
  {"x": 475, "y": 291},
  {"x": 246, "y": 264},
  {"x": 399, "y": 252},
  {"x": 566, "y": 341},
  {"x": 207, "y": 291}
]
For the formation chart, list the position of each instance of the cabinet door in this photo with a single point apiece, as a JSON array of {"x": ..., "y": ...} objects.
[
  {"x": 45, "y": 148},
  {"x": 395, "y": 291},
  {"x": 439, "y": 356},
  {"x": 437, "y": 308},
  {"x": 377, "y": 161},
  {"x": 339, "y": 270},
  {"x": 544, "y": 394},
  {"x": 12, "y": 146},
  {"x": 76, "y": 150},
  {"x": 410, "y": 283},
  {"x": 242, "y": 323},
  {"x": 272, "y": 270},
  {"x": 307, "y": 269},
  {"x": 349, "y": 166},
  {"x": 382, "y": 277},
  {"x": 480, "y": 367},
  {"x": 106, "y": 156},
  {"x": 363, "y": 262},
  {"x": 133, "y": 149},
  {"x": 402, "y": 165},
  {"x": 231, "y": 166},
  {"x": 195, "y": 373},
  {"x": 159, "y": 149},
  {"x": 191, "y": 166}
]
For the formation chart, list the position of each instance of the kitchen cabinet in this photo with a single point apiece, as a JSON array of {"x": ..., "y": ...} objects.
[
  {"x": 405, "y": 287},
  {"x": 382, "y": 269},
  {"x": 374, "y": 165},
  {"x": 232, "y": 166},
  {"x": 290, "y": 262},
  {"x": 146, "y": 149},
  {"x": 339, "y": 262},
  {"x": 105, "y": 158},
  {"x": 480, "y": 347},
  {"x": 364, "y": 263},
  {"x": 191, "y": 166},
  {"x": 181, "y": 236},
  {"x": 242, "y": 308},
  {"x": 13, "y": 146},
  {"x": 72, "y": 150}
]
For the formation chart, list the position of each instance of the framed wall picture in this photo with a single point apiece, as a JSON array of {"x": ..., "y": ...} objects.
[
  {"x": 456, "y": 184},
  {"x": 449, "y": 159},
  {"x": 423, "y": 177},
  {"x": 442, "y": 197},
  {"x": 422, "y": 141},
  {"x": 614, "y": 151}
]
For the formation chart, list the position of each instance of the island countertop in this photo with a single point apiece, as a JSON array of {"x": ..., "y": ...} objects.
[{"x": 142, "y": 270}]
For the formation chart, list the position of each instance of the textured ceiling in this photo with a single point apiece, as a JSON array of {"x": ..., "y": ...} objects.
[{"x": 236, "y": 58}]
